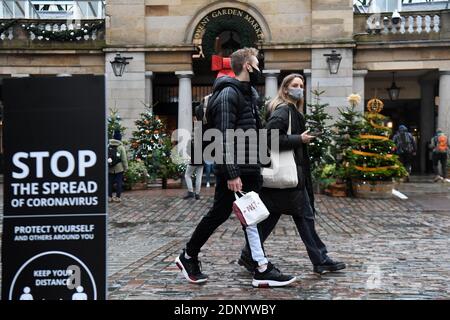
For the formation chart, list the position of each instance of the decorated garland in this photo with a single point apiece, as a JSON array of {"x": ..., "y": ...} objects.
[
  {"x": 365, "y": 169},
  {"x": 370, "y": 154},
  {"x": 4, "y": 26},
  {"x": 246, "y": 33},
  {"x": 369, "y": 136},
  {"x": 63, "y": 35}
]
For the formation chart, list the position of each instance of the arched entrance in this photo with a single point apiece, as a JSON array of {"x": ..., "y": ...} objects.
[{"x": 220, "y": 30}]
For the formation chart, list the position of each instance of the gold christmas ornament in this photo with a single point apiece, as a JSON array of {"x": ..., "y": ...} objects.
[{"x": 375, "y": 105}]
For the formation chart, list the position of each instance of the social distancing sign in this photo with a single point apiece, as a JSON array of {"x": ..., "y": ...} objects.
[{"x": 54, "y": 228}]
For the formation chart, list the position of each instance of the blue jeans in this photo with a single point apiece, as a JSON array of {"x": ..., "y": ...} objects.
[{"x": 208, "y": 171}]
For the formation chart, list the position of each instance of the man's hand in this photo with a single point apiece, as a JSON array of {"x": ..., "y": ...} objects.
[
  {"x": 306, "y": 138},
  {"x": 235, "y": 185}
]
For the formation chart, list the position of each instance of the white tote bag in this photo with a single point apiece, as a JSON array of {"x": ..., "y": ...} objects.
[
  {"x": 249, "y": 208},
  {"x": 282, "y": 173}
]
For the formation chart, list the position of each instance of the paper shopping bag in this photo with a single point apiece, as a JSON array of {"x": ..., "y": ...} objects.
[{"x": 249, "y": 208}]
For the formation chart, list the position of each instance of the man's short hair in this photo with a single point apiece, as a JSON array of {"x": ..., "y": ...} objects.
[{"x": 240, "y": 57}]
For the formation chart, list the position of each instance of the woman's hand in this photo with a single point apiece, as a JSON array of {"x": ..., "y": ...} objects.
[{"x": 306, "y": 138}]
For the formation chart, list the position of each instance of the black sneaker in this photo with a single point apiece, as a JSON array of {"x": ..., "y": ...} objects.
[
  {"x": 191, "y": 269},
  {"x": 272, "y": 277},
  {"x": 189, "y": 195},
  {"x": 329, "y": 266},
  {"x": 247, "y": 262},
  {"x": 197, "y": 196}
]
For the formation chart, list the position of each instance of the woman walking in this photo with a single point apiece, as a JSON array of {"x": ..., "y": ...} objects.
[{"x": 285, "y": 114}]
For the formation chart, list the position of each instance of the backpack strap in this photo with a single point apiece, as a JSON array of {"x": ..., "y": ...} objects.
[{"x": 214, "y": 96}]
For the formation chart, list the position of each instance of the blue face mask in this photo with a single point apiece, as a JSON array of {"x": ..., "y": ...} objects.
[{"x": 296, "y": 93}]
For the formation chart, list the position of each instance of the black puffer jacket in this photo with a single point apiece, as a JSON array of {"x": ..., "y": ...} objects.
[
  {"x": 279, "y": 119},
  {"x": 234, "y": 106}
]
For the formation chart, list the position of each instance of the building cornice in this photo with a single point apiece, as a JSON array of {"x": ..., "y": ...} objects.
[
  {"x": 403, "y": 44},
  {"x": 183, "y": 48},
  {"x": 308, "y": 45}
]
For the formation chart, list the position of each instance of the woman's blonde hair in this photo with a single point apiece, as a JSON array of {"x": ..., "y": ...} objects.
[{"x": 282, "y": 96}]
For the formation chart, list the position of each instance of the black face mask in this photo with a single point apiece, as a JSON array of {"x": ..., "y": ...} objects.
[{"x": 254, "y": 76}]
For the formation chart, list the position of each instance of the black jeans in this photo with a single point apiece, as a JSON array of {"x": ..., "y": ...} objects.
[
  {"x": 406, "y": 160},
  {"x": 442, "y": 159},
  {"x": 115, "y": 178},
  {"x": 305, "y": 223},
  {"x": 220, "y": 212}
]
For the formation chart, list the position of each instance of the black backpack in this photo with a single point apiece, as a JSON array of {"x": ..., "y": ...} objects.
[
  {"x": 405, "y": 144},
  {"x": 113, "y": 156}
]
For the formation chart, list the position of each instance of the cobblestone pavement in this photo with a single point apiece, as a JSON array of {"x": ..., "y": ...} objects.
[{"x": 394, "y": 249}]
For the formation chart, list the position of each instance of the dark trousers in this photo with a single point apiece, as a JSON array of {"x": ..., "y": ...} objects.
[
  {"x": 406, "y": 160},
  {"x": 220, "y": 212},
  {"x": 305, "y": 223},
  {"x": 117, "y": 179},
  {"x": 442, "y": 159}
]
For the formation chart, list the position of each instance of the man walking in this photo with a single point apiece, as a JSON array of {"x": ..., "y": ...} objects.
[{"x": 233, "y": 106}]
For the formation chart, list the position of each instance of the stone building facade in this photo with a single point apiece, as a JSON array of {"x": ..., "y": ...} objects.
[{"x": 171, "y": 43}]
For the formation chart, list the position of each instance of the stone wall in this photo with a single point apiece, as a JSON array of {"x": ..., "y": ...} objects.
[
  {"x": 169, "y": 22},
  {"x": 52, "y": 64},
  {"x": 125, "y": 22},
  {"x": 402, "y": 58},
  {"x": 127, "y": 93},
  {"x": 332, "y": 20},
  {"x": 337, "y": 87}
]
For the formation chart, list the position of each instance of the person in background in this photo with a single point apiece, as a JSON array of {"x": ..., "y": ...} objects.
[
  {"x": 200, "y": 114},
  {"x": 209, "y": 166},
  {"x": 118, "y": 164},
  {"x": 406, "y": 147},
  {"x": 440, "y": 146},
  {"x": 196, "y": 169}
]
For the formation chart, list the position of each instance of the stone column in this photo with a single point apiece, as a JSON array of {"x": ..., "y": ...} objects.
[
  {"x": 359, "y": 87},
  {"x": 149, "y": 88},
  {"x": 336, "y": 87},
  {"x": 27, "y": 10},
  {"x": 307, "y": 74},
  {"x": 271, "y": 83},
  {"x": 184, "y": 104},
  {"x": 427, "y": 120},
  {"x": 444, "y": 102}
]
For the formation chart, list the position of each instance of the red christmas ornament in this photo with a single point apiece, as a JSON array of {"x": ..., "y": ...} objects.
[{"x": 222, "y": 65}]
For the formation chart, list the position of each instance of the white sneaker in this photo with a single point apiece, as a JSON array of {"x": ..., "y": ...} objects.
[{"x": 208, "y": 185}]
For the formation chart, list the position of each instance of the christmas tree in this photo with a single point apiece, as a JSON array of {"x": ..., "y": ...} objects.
[
  {"x": 320, "y": 147},
  {"x": 372, "y": 158},
  {"x": 152, "y": 145},
  {"x": 114, "y": 123},
  {"x": 348, "y": 127},
  {"x": 147, "y": 140}
]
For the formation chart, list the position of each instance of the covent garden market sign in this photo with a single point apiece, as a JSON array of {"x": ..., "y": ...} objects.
[{"x": 227, "y": 19}]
